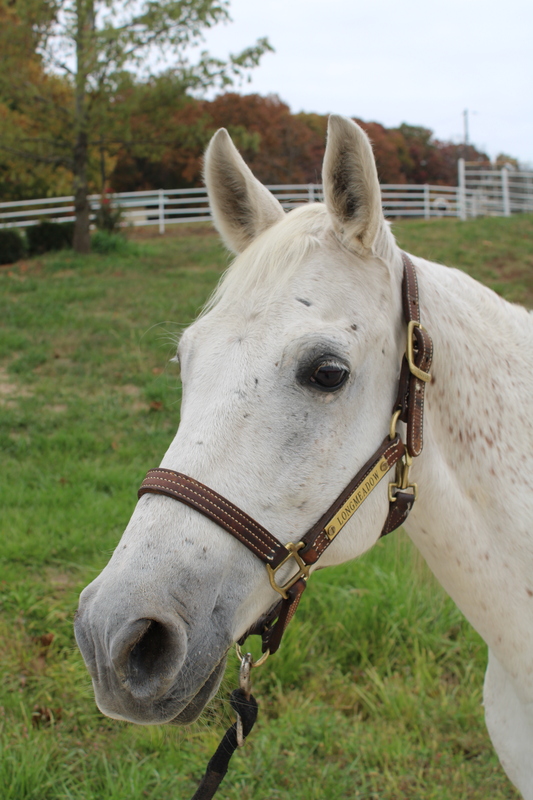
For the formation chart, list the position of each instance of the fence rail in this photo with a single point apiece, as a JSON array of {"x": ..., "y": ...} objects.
[
  {"x": 489, "y": 191},
  {"x": 480, "y": 192}
]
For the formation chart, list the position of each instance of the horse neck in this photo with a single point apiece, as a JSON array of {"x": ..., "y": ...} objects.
[
  {"x": 481, "y": 382},
  {"x": 474, "y": 475}
]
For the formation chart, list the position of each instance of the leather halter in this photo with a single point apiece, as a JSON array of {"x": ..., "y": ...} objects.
[{"x": 408, "y": 408}]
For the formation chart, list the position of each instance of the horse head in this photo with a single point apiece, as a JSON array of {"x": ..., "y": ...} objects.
[{"x": 289, "y": 376}]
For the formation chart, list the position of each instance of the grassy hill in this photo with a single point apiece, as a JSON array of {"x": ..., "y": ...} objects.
[{"x": 376, "y": 692}]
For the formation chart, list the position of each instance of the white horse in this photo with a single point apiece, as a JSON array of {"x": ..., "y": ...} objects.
[{"x": 311, "y": 291}]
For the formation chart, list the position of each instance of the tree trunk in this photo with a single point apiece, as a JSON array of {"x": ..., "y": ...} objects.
[
  {"x": 82, "y": 237},
  {"x": 85, "y": 61}
]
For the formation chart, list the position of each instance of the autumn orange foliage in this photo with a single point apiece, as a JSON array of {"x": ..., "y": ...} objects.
[{"x": 280, "y": 147}]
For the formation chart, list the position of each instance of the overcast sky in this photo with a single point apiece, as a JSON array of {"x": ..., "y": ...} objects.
[{"x": 394, "y": 61}]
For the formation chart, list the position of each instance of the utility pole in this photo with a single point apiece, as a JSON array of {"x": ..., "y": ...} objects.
[{"x": 465, "y": 125}]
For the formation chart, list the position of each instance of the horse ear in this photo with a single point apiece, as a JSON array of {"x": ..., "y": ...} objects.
[
  {"x": 241, "y": 206},
  {"x": 351, "y": 186}
]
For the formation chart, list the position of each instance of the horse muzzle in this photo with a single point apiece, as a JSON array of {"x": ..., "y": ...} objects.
[{"x": 142, "y": 669}]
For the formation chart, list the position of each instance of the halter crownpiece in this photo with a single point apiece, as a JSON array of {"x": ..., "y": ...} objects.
[{"x": 408, "y": 408}]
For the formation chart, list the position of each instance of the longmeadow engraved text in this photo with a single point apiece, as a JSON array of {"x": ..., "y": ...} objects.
[{"x": 356, "y": 498}]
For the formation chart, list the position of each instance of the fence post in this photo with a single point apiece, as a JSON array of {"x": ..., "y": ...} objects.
[
  {"x": 427, "y": 207},
  {"x": 161, "y": 211},
  {"x": 311, "y": 193},
  {"x": 505, "y": 193},
  {"x": 461, "y": 193}
]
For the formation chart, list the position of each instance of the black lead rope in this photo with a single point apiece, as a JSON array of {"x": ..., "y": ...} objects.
[{"x": 245, "y": 706}]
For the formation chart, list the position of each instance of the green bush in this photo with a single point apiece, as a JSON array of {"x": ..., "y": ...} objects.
[
  {"x": 104, "y": 242},
  {"x": 11, "y": 246},
  {"x": 49, "y": 236},
  {"x": 109, "y": 216}
]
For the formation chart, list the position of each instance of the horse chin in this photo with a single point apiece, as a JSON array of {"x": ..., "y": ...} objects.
[
  {"x": 164, "y": 710},
  {"x": 194, "y": 708}
]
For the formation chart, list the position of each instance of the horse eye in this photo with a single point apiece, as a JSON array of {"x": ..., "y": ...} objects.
[{"x": 329, "y": 377}]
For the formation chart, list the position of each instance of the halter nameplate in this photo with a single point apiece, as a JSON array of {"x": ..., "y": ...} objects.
[
  {"x": 408, "y": 407},
  {"x": 356, "y": 499}
]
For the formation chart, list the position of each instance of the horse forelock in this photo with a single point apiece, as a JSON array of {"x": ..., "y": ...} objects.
[{"x": 274, "y": 258}]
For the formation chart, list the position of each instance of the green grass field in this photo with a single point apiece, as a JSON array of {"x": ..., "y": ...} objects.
[{"x": 376, "y": 691}]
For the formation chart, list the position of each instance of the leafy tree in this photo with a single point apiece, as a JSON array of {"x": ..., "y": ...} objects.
[
  {"x": 502, "y": 159},
  {"x": 279, "y": 147},
  {"x": 427, "y": 160},
  {"x": 390, "y": 151},
  {"x": 27, "y": 96},
  {"x": 95, "y": 46}
]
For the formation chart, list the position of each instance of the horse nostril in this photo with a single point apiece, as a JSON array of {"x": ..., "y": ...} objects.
[
  {"x": 150, "y": 649},
  {"x": 147, "y": 655}
]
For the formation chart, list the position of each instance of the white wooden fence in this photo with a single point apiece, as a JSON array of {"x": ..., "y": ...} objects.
[
  {"x": 489, "y": 191},
  {"x": 480, "y": 192}
]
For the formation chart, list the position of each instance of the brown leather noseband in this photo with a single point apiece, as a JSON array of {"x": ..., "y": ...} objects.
[{"x": 408, "y": 408}]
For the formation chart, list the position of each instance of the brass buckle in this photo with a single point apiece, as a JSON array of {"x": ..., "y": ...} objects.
[
  {"x": 418, "y": 373},
  {"x": 402, "y": 478},
  {"x": 303, "y": 569},
  {"x": 393, "y": 423}
]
